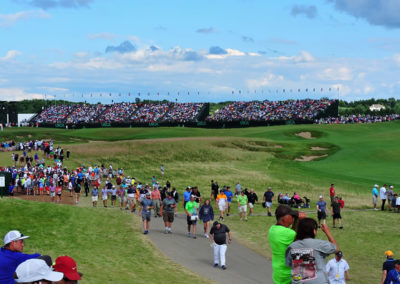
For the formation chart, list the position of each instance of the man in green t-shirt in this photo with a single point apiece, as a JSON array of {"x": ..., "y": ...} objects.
[
  {"x": 242, "y": 203},
  {"x": 192, "y": 211},
  {"x": 280, "y": 236}
]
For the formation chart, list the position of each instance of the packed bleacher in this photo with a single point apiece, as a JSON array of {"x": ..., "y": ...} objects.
[
  {"x": 271, "y": 111},
  {"x": 352, "y": 119},
  {"x": 120, "y": 112}
]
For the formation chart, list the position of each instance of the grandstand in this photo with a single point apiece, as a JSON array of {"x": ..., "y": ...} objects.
[{"x": 236, "y": 114}]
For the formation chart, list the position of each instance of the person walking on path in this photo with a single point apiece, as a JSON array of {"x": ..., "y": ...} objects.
[
  {"x": 145, "y": 211},
  {"x": 338, "y": 269},
  {"x": 156, "y": 197},
  {"x": 267, "y": 199},
  {"x": 387, "y": 266},
  {"x": 332, "y": 193},
  {"x": 389, "y": 195},
  {"x": 280, "y": 236},
  {"x": 221, "y": 202},
  {"x": 382, "y": 193},
  {"x": 218, "y": 237},
  {"x": 242, "y": 201},
  {"x": 321, "y": 208},
  {"x": 95, "y": 196},
  {"x": 307, "y": 255},
  {"x": 11, "y": 255},
  {"x": 192, "y": 211},
  {"x": 375, "y": 195},
  {"x": 335, "y": 210},
  {"x": 229, "y": 195},
  {"x": 253, "y": 198},
  {"x": 206, "y": 214},
  {"x": 167, "y": 211}
]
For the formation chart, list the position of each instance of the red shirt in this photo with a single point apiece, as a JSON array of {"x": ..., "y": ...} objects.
[
  {"x": 341, "y": 203},
  {"x": 331, "y": 191}
]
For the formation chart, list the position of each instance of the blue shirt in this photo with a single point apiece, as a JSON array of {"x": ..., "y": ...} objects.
[
  {"x": 9, "y": 261},
  {"x": 186, "y": 195},
  {"x": 146, "y": 203},
  {"x": 393, "y": 277},
  {"x": 95, "y": 192},
  {"x": 321, "y": 205},
  {"x": 229, "y": 195},
  {"x": 375, "y": 192}
]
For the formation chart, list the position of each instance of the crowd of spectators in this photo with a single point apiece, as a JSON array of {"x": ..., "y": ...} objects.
[
  {"x": 271, "y": 111},
  {"x": 120, "y": 112},
  {"x": 183, "y": 112},
  {"x": 85, "y": 113},
  {"x": 357, "y": 119}
]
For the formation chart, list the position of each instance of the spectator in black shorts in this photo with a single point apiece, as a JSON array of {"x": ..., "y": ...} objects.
[{"x": 335, "y": 210}]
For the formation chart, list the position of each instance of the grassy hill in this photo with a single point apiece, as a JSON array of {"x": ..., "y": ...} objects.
[{"x": 358, "y": 156}]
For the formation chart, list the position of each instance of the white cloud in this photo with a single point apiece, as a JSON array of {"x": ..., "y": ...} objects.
[
  {"x": 396, "y": 58},
  {"x": 7, "y": 20},
  {"x": 17, "y": 94},
  {"x": 303, "y": 57},
  {"x": 337, "y": 74},
  {"x": 11, "y": 54},
  {"x": 267, "y": 80}
]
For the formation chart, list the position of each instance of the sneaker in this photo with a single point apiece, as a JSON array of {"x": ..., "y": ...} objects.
[
  {"x": 222, "y": 219},
  {"x": 146, "y": 232},
  {"x": 205, "y": 235},
  {"x": 375, "y": 208},
  {"x": 269, "y": 214},
  {"x": 194, "y": 237},
  {"x": 215, "y": 265},
  {"x": 245, "y": 219},
  {"x": 341, "y": 227},
  {"x": 169, "y": 232},
  {"x": 223, "y": 267},
  {"x": 227, "y": 214},
  {"x": 188, "y": 235}
]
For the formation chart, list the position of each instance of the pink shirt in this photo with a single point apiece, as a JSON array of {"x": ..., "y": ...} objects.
[{"x": 155, "y": 194}]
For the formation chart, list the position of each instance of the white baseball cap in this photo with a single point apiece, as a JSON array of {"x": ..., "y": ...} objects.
[
  {"x": 321, "y": 196},
  {"x": 376, "y": 185},
  {"x": 14, "y": 236},
  {"x": 34, "y": 270}
]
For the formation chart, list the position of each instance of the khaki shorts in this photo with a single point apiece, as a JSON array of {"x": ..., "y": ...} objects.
[
  {"x": 374, "y": 200},
  {"x": 243, "y": 208},
  {"x": 168, "y": 217}
]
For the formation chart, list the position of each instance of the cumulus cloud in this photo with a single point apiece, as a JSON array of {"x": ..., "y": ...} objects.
[
  {"x": 11, "y": 54},
  {"x": 267, "y": 80},
  {"x": 303, "y": 57},
  {"x": 376, "y": 12},
  {"x": 337, "y": 74},
  {"x": 48, "y": 4},
  {"x": 124, "y": 47},
  {"x": 206, "y": 30},
  {"x": 217, "y": 50},
  {"x": 18, "y": 94},
  {"x": 108, "y": 36},
  {"x": 308, "y": 11},
  {"x": 7, "y": 20}
]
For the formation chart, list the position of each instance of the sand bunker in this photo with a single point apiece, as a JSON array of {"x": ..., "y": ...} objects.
[
  {"x": 318, "y": 149},
  {"x": 305, "y": 135},
  {"x": 309, "y": 158}
]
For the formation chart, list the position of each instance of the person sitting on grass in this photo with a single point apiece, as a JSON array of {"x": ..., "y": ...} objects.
[{"x": 67, "y": 266}]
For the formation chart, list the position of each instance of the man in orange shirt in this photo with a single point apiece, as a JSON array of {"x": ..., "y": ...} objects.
[{"x": 221, "y": 203}]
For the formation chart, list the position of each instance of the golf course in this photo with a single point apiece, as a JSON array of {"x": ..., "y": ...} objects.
[{"x": 108, "y": 244}]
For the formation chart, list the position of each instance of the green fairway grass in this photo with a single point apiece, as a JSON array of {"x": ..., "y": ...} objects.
[
  {"x": 358, "y": 156},
  {"x": 107, "y": 245}
]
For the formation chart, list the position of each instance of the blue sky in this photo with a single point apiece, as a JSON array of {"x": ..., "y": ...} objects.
[{"x": 199, "y": 50}]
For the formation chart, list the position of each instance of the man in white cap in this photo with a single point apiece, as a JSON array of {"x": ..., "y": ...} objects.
[
  {"x": 11, "y": 255},
  {"x": 36, "y": 271}
]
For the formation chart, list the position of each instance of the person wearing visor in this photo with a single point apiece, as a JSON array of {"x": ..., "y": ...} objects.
[
  {"x": 280, "y": 236},
  {"x": 11, "y": 255}
]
